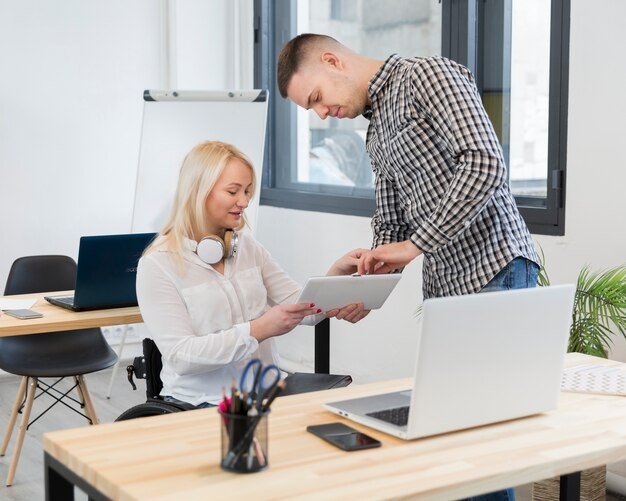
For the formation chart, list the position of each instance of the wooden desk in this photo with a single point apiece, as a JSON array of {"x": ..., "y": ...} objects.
[
  {"x": 176, "y": 456},
  {"x": 56, "y": 318}
]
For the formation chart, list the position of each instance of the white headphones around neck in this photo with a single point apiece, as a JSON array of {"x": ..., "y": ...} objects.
[{"x": 211, "y": 249}]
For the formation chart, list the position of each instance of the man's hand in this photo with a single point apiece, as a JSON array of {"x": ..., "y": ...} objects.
[
  {"x": 387, "y": 257},
  {"x": 347, "y": 264}
]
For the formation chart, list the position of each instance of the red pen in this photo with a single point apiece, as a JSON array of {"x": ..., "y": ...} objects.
[{"x": 225, "y": 403}]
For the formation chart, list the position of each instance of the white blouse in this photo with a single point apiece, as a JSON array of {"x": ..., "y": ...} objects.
[{"x": 200, "y": 319}]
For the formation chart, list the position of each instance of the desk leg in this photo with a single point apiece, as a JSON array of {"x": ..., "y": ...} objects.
[
  {"x": 59, "y": 482},
  {"x": 570, "y": 487},
  {"x": 322, "y": 347},
  {"x": 57, "y": 487}
]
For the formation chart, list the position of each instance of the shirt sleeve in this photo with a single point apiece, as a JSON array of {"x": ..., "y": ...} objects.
[
  {"x": 281, "y": 288},
  {"x": 455, "y": 107},
  {"x": 165, "y": 314},
  {"x": 388, "y": 223}
]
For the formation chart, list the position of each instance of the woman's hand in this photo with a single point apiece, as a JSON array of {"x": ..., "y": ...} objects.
[
  {"x": 280, "y": 319},
  {"x": 351, "y": 313}
]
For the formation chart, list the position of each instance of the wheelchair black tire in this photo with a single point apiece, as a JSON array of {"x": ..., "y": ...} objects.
[{"x": 154, "y": 408}]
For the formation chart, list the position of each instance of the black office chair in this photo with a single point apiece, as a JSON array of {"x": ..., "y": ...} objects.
[{"x": 50, "y": 355}]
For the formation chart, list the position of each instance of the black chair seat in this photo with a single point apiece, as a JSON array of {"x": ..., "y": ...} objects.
[{"x": 56, "y": 354}]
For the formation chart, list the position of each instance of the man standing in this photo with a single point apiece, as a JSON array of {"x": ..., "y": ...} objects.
[{"x": 441, "y": 183}]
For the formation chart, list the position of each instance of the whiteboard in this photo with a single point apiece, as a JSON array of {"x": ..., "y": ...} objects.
[{"x": 173, "y": 123}]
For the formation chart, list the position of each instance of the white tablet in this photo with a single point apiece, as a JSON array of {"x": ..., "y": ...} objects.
[{"x": 337, "y": 291}]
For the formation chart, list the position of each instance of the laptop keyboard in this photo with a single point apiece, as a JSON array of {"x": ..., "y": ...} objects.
[
  {"x": 69, "y": 300},
  {"x": 398, "y": 416}
]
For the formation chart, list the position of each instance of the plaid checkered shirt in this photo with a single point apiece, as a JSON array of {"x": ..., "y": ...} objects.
[{"x": 440, "y": 175}]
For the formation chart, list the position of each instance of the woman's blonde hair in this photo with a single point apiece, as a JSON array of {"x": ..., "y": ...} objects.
[{"x": 201, "y": 168}]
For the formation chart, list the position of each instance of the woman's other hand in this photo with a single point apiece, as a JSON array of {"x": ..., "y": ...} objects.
[
  {"x": 351, "y": 313},
  {"x": 280, "y": 319}
]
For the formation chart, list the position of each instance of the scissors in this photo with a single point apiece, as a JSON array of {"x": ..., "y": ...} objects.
[{"x": 263, "y": 382}]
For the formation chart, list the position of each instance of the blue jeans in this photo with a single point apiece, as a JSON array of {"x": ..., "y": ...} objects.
[{"x": 518, "y": 274}]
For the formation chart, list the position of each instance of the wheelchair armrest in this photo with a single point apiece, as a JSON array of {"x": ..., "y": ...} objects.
[{"x": 137, "y": 369}]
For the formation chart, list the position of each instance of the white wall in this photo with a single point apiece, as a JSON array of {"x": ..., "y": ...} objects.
[
  {"x": 382, "y": 345},
  {"x": 72, "y": 76}
]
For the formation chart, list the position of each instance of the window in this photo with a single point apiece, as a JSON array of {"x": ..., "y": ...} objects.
[
  {"x": 517, "y": 50},
  {"x": 322, "y": 164}
]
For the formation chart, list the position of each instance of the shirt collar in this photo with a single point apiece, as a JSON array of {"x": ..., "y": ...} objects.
[
  {"x": 189, "y": 244},
  {"x": 382, "y": 75}
]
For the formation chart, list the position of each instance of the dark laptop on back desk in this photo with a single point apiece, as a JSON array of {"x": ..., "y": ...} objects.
[{"x": 107, "y": 268}]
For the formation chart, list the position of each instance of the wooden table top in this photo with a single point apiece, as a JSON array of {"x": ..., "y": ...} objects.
[
  {"x": 56, "y": 318},
  {"x": 176, "y": 456}
]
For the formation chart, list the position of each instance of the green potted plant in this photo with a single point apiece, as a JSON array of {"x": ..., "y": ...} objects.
[{"x": 599, "y": 309}]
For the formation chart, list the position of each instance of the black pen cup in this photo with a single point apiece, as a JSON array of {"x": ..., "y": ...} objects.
[{"x": 244, "y": 442}]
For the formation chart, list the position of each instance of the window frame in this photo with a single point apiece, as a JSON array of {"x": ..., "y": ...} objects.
[
  {"x": 462, "y": 21},
  {"x": 267, "y": 46}
]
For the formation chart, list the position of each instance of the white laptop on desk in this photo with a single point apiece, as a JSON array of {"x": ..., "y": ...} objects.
[{"x": 481, "y": 358}]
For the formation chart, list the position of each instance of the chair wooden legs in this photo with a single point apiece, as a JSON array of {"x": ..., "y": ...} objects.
[
  {"x": 86, "y": 398},
  {"x": 16, "y": 408},
  {"x": 28, "y": 387},
  {"x": 31, "y": 390}
]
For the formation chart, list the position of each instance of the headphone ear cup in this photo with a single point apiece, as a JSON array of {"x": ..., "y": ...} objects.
[
  {"x": 211, "y": 249},
  {"x": 231, "y": 242}
]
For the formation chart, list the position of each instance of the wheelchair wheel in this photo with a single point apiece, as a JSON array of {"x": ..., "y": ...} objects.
[{"x": 151, "y": 408}]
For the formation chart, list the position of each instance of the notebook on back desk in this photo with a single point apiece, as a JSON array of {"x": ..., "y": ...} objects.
[
  {"x": 481, "y": 358},
  {"x": 107, "y": 268}
]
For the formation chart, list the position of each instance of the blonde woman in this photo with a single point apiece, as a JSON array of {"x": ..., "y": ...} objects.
[{"x": 213, "y": 298}]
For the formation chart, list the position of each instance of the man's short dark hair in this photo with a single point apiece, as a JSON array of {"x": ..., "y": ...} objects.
[{"x": 292, "y": 55}]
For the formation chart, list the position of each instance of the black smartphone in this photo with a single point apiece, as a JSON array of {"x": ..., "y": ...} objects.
[
  {"x": 343, "y": 436},
  {"x": 23, "y": 314}
]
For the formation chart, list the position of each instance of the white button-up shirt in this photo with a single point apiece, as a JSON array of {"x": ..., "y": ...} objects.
[{"x": 200, "y": 319}]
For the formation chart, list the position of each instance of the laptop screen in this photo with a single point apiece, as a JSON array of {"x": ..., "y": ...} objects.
[{"x": 107, "y": 269}]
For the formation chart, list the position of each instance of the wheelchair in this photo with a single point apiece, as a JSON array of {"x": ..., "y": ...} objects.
[{"x": 149, "y": 367}]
